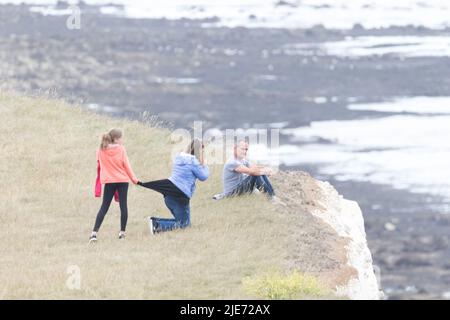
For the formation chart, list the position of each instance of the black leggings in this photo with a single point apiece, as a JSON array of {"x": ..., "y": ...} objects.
[{"x": 110, "y": 189}]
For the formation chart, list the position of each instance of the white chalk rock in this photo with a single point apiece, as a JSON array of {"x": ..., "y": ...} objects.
[{"x": 346, "y": 218}]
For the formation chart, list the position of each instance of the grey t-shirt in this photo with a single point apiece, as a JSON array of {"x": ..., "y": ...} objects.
[{"x": 231, "y": 178}]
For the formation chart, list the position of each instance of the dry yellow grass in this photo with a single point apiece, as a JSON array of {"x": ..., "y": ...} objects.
[{"x": 47, "y": 174}]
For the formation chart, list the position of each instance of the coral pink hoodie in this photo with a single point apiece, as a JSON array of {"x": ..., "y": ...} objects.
[
  {"x": 114, "y": 165},
  {"x": 98, "y": 185}
]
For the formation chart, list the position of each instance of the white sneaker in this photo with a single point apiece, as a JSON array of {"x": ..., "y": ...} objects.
[
  {"x": 121, "y": 235},
  {"x": 93, "y": 238},
  {"x": 218, "y": 196},
  {"x": 151, "y": 225}
]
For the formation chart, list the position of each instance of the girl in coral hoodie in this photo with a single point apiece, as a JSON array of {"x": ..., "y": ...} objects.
[{"x": 115, "y": 173}]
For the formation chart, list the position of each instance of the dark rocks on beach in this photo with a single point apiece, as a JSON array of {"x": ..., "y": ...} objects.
[
  {"x": 358, "y": 27},
  {"x": 412, "y": 262},
  {"x": 286, "y": 4}
]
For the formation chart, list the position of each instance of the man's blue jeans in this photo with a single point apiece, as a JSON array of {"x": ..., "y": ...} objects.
[
  {"x": 179, "y": 207},
  {"x": 249, "y": 184}
]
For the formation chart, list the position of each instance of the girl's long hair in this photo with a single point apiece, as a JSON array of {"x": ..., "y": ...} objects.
[
  {"x": 110, "y": 137},
  {"x": 195, "y": 148}
]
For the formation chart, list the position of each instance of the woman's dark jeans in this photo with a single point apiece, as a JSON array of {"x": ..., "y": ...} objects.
[{"x": 179, "y": 207}]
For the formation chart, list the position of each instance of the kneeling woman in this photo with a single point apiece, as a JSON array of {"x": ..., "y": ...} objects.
[{"x": 179, "y": 187}]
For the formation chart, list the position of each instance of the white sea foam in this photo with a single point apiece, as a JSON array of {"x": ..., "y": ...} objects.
[
  {"x": 182, "y": 81},
  {"x": 333, "y": 14},
  {"x": 420, "y": 105},
  {"x": 320, "y": 100},
  {"x": 406, "y": 151},
  {"x": 404, "y": 46},
  {"x": 102, "y": 108}
]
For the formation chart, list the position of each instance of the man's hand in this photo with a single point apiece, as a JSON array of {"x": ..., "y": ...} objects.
[
  {"x": 262, "y": 170},
  {"x": 266, "y": 171}
]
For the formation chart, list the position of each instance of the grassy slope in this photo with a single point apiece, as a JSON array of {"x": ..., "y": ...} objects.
[{"x": 47, "y": 173}]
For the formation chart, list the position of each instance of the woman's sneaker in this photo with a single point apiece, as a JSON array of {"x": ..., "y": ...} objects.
[
  {"x": 121, "y": 235},
  {"x": 93, "y": 238},
  {"x": 151, "y": 225}
]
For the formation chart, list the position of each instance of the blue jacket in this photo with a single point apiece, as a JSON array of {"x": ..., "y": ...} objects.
[{"x": 186, "y": 169}]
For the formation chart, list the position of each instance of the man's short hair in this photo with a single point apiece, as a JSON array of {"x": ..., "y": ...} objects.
[{"x": 241, "y": 141}]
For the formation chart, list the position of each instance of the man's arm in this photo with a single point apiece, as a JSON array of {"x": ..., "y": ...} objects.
[{"x": 254, "y": 170}]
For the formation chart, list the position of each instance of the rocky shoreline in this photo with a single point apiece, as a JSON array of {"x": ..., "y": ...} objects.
[{"x": 183, "y": 72}]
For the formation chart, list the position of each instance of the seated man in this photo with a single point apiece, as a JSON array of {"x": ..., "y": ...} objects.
[{"x": 239, "y": 177}]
